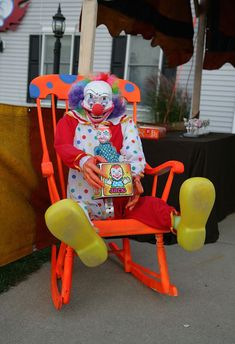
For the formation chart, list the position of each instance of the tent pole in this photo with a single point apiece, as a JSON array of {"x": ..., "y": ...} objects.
[
  {"x": 87, "y": 38},
  {"x": 199, "y": 64}
]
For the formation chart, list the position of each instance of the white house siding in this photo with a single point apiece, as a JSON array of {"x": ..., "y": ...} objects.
[
  {"x": 185, "y": 76},
  {"x": 185, "y": 73},
  {"x": 103, "y": 50},
  {"x": 14, "y": 59},
  {"x": 217, "y": 93},
  {"x": 218, "y": 98}
]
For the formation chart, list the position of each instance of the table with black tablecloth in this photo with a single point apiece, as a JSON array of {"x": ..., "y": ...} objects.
[{"x": 211, "y": 156}]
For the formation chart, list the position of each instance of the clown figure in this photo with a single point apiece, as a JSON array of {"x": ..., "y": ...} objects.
[
  {"x": 105, "y": 148},
  {"x": 117, "y": 179},
  {"x": 97, "y": 130}
]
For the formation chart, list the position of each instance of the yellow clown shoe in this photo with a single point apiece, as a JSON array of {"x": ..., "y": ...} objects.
[
  {"x": 197, "y": 197},
  {"x": 67, "y": 221}
]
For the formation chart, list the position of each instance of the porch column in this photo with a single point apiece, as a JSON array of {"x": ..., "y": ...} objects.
[
  {"x": 199, "y": 62},
  {"x": 87, "y": 38}
]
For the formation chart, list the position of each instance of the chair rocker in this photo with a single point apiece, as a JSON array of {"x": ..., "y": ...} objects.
[{"x": 58, "y": 87}]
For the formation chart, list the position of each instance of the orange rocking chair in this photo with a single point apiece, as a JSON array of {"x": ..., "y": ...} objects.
[{"x": 62, "y": 261}]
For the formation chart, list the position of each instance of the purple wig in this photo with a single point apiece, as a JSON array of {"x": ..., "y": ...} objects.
[
  {"x": 76, "y": 95},
  {"x": 119, "y": 107}
]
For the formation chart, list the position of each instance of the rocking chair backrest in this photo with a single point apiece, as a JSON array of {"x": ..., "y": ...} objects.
[{"x": 58, "y": 87}]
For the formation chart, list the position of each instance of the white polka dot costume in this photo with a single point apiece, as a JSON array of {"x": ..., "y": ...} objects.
[{"x": 86, "y": 140}]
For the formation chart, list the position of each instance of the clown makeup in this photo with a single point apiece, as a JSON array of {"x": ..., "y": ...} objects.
[
  {"x": 103, "y": 134},
  {"x": 116, "y": 172},
  {"x": 91, "y": 99},
  {"x": 98, "y": 100}
]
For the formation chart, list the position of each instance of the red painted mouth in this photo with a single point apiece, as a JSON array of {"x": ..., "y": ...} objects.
[{"x": 97, "y": 113}]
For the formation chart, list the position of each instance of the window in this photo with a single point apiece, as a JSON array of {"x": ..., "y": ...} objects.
[
  {"x": 33, "y": 63},
  {"x": 41, "y": 56},
  {"x": 65, "y": 56},
  {"x": 134, "y": 59},
  {"x": 168, "y": 72},
  {"x": 118, "y": 56},
  {"x": 143, "y": 61}
]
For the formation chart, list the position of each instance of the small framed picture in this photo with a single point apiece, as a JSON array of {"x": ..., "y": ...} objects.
[{"x": 117, "y": 180}]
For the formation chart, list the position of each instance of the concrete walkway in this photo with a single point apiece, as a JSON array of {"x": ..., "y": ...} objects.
[{"x": 109, "y": 306}]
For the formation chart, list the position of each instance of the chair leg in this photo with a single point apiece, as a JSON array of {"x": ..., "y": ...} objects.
[
  {"x": 67, "y": 275},
  {"x": 167, "y": 288},
  {"x": 56, "y": 296},
  {"x": 123, "y": 254},
  {"x": 127, "y": 254},
  {"x": 60, "y": 260},
  {"x": 62, "y": 266},
  {"x": 159, "y": 282},
  {"x": 61, "y": 283}
]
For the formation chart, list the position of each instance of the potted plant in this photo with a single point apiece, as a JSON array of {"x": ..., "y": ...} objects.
[{"x": 169, "y": 104}]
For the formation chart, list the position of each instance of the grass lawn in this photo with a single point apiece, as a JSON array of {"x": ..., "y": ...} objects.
[{"x": 13, "y": 273}]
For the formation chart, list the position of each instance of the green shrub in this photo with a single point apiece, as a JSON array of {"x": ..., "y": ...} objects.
[{"x": 167, "y": 103}]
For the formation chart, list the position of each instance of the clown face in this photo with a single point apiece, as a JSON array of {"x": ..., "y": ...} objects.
[
  {"x": 103, "y": 134},
  {"x": 116, "y": 172},
  {"x": 98, "y": 101}
]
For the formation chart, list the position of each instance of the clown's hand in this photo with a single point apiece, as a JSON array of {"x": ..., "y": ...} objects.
[
  {"x": 126, "y": 180},
  {"x": 138, "y": 190},
  {"x": 107, "y": 181},
  {"x": 91, "y": 172}
]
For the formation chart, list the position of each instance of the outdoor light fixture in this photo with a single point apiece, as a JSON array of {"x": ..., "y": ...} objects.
[
  {"x": 58, "y": 23},
  {"x": 58, "y": 28}
]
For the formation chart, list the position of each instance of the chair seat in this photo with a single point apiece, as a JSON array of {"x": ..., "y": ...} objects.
[{"x": 110, "y": 228}]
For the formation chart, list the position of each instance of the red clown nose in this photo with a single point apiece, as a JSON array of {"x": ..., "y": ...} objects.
[{"x": 97, "y": 110}]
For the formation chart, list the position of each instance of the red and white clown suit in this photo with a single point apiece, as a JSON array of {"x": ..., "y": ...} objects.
[
  {"x": 98, "y": 112},
  {"x": 75, "y": 142}
]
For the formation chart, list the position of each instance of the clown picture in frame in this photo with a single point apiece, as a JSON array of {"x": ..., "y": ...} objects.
[{"x": 118, "y": 180}]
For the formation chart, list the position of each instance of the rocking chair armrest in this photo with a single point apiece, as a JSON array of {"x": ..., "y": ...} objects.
[
  {"x": 173, "y": 165},
  {"x": 48, "y": 173},
  {"x": 47, "y": 169}
]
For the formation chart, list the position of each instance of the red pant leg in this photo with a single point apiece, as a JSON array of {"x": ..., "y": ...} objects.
[{"x": 152, "y": 211}]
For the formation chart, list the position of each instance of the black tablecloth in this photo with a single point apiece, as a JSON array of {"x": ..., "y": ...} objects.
[{"x": 211, "y": 156}]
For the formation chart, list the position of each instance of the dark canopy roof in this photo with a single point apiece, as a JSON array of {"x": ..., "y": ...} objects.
[
  {"x": 165, "y": 23},
  {"x": 220, "y": 34},
  {"x": 169, "y": 23}
]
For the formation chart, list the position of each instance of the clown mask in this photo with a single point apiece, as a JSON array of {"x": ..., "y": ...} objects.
[{"x": 98, "y": 101}]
